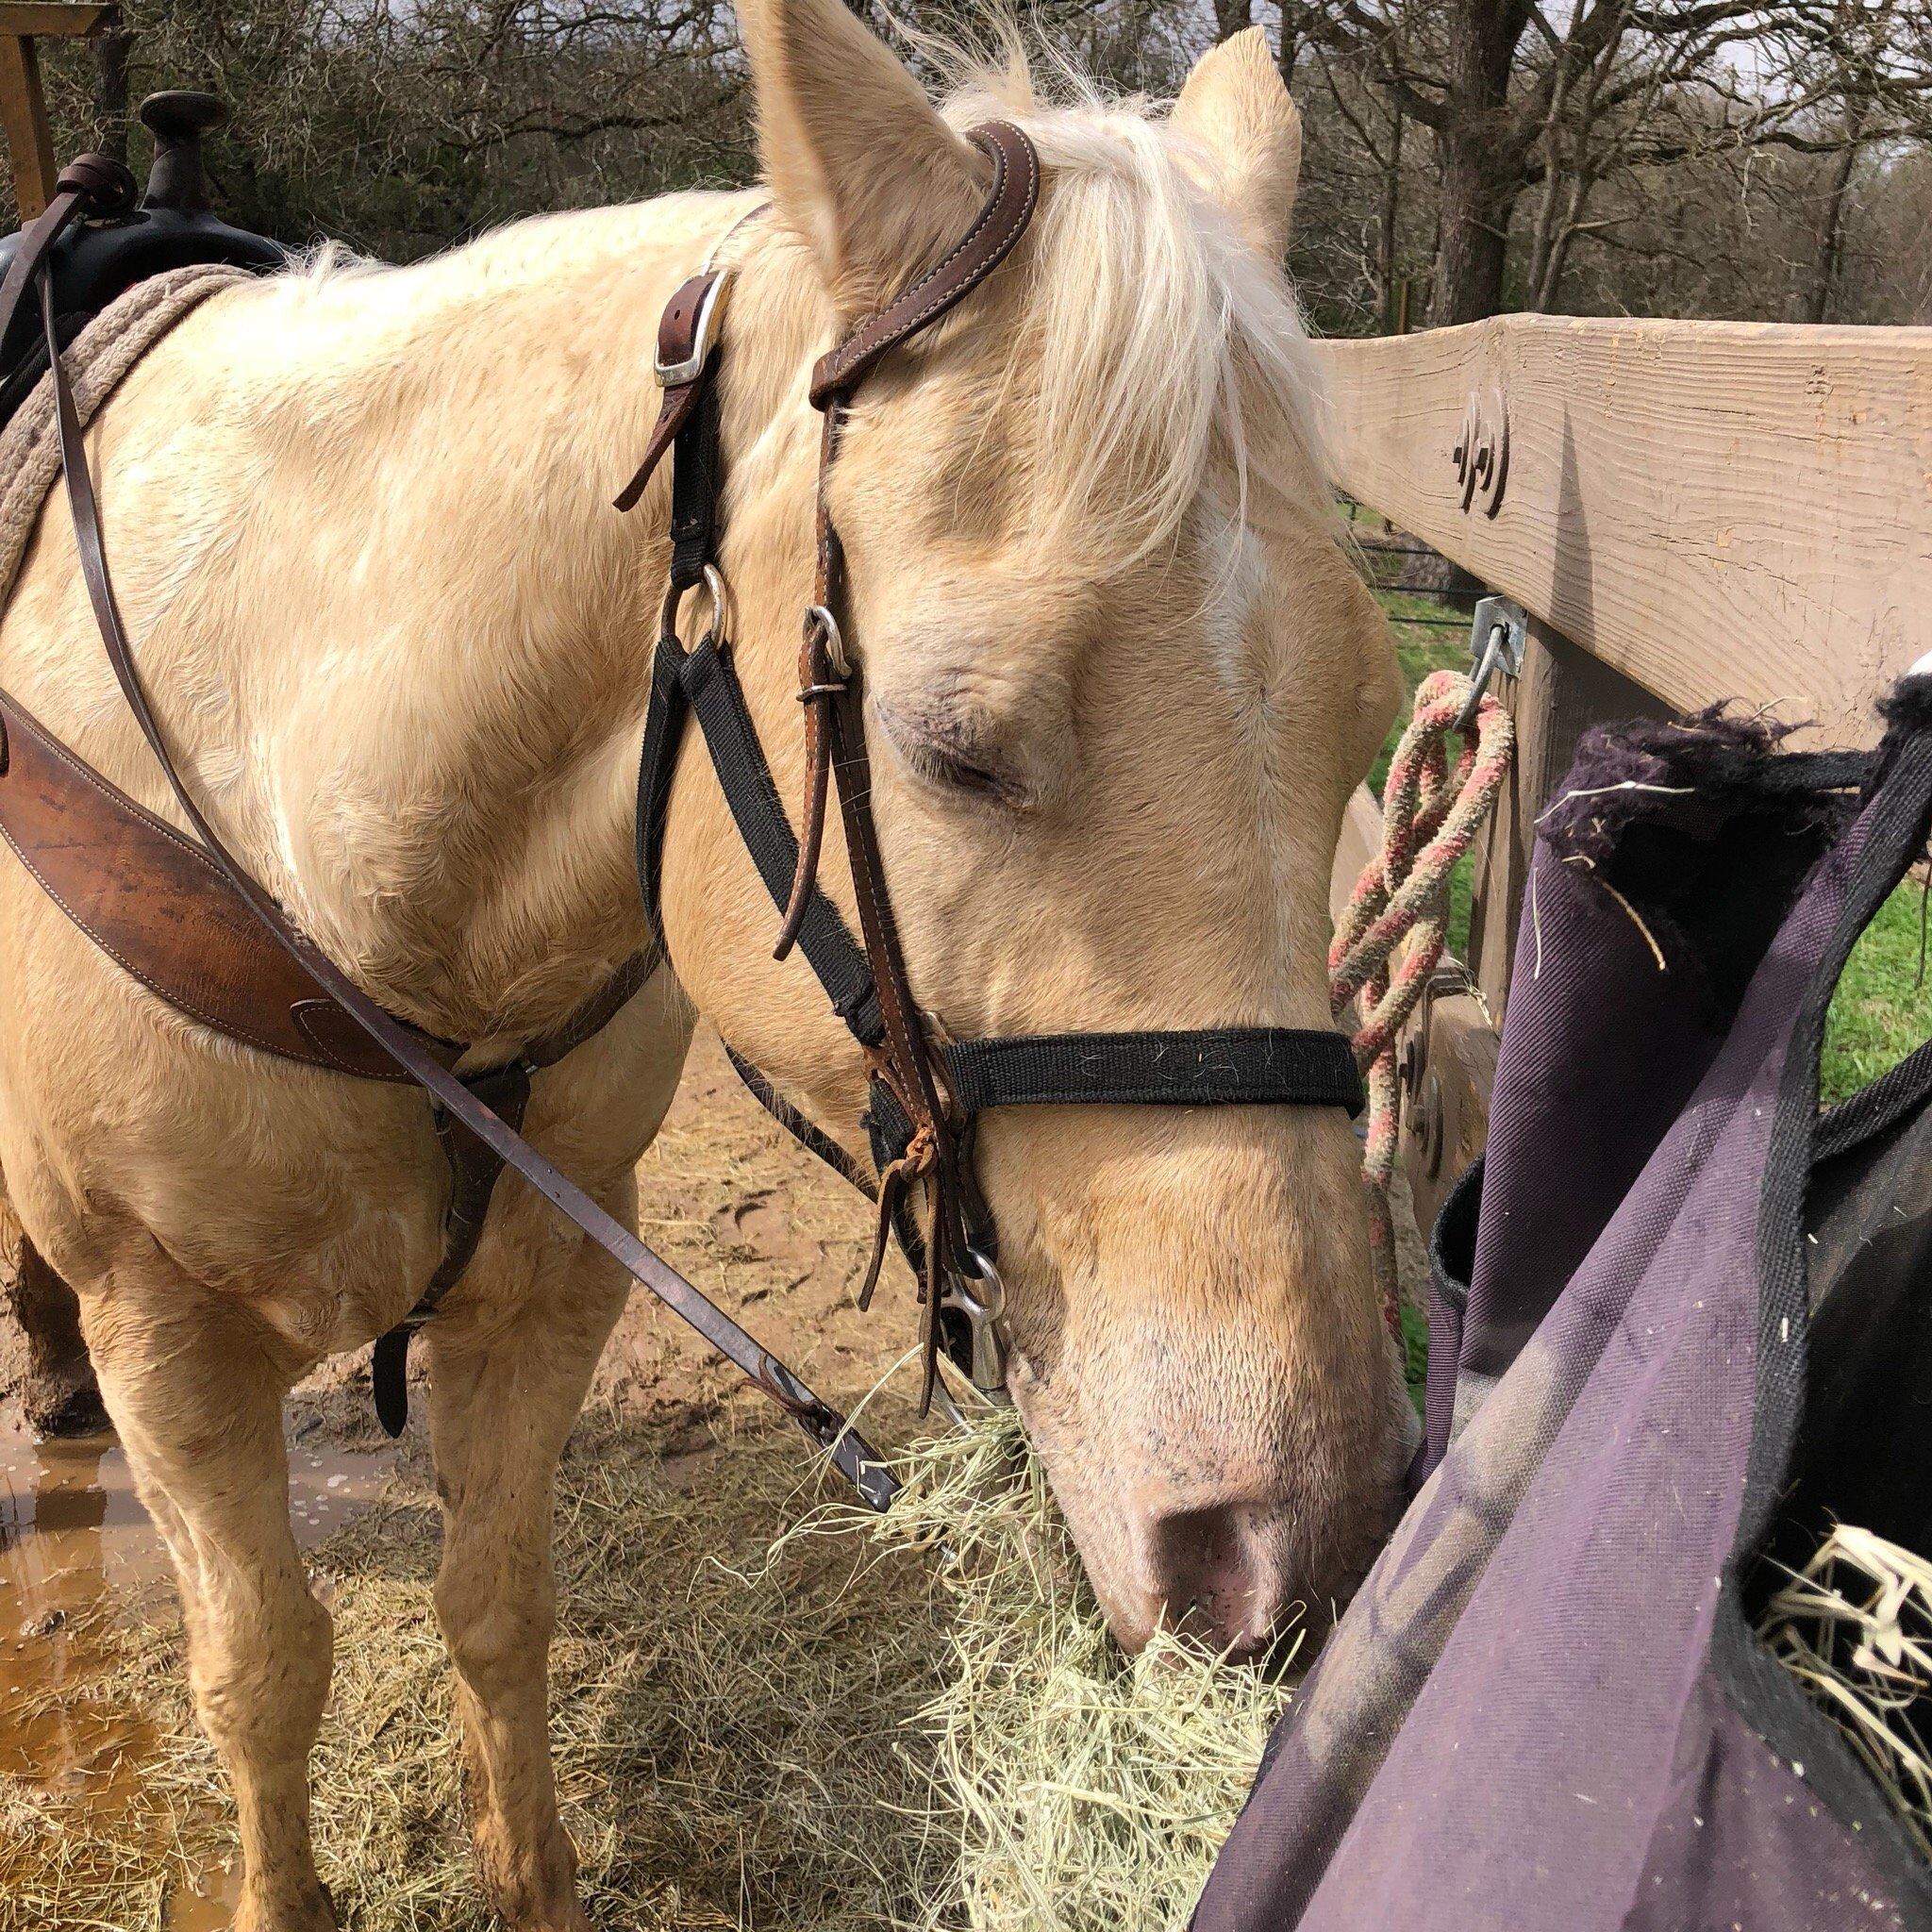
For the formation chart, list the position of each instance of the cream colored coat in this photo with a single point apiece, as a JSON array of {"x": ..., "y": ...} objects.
[{"x": 1122, "y": 679}]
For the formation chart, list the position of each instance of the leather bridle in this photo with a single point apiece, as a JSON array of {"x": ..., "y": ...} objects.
[{"x": 925, "y": 1096}]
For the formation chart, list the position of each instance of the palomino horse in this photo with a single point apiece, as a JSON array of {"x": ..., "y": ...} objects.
[{"x": 1123, "y": 677}]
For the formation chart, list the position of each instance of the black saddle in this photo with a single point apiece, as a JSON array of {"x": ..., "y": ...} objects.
[{"x": 96, "y": 261}]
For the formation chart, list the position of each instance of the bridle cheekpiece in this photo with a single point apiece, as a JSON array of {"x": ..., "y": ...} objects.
[{"x": 926, "y": 1095}]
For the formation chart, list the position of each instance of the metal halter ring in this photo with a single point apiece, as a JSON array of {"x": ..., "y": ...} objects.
[
  {"x": 715, "y": 588},
  {"x": 816, "y": 614}
]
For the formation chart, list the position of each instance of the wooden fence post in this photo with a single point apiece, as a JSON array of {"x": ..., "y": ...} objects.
[
  {"x": 23, "y": 101},
  {"x": 1560, "y": 693},
  {"x": 1686, "y": 510}
]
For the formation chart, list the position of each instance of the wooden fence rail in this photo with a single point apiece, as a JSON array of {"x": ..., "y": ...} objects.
[
  {"x": 1687, "y": 511},
  {"x": 1712, "y": 508}
]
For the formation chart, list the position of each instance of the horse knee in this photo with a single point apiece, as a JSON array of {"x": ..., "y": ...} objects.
[
  {"x": 498, "y": 1638},
  {"x": 260, "y": 1680}
]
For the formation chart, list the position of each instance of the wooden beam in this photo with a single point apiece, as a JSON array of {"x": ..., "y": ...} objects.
[
  {"x": 1449, "y": 1072},
  {"x": 1714, "y": 509},
  {"x": 24, "y": 118},
  {"x": 1559, "y": 694},
  {"x": 1362, "y": 839},
  {"x": 31, "y": 18},
  {"x": 23, "y": 102}
]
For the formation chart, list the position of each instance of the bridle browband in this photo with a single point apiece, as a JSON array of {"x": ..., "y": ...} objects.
[{"x": 925, "y": 1096}]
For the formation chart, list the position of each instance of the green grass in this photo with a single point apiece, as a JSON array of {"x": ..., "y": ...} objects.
[
  {"x": 1421, "y": 649},
  {"x": 1415, "y": 1356},
  {"x": 1883, "y": 1007}
]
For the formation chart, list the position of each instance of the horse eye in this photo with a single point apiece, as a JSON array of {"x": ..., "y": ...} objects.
[
  {"x": 953, "y": 770},
  {"x": 942, "y": 748},
  {"x": 961, "y": 767}
]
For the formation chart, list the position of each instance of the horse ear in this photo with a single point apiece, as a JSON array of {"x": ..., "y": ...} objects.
[
  {"x": 859, "y": 161},
  {"x": 1240, "y": 138}
]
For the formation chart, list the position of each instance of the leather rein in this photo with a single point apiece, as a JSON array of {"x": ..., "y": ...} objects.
[
  {"x": 925, "y": 1096},
  {"x": 465, "y": 1112}
]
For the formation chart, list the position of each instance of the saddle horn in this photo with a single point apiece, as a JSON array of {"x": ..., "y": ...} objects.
[{"x": 179, "y": 119}]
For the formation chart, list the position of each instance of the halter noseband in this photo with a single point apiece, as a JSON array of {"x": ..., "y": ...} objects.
[{"x": 926, "y": 1098}]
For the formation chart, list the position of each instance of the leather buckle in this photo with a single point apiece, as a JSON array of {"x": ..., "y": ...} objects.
[{"x": 703, "y": 327}]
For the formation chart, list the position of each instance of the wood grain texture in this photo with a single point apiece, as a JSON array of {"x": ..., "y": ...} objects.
[
  {"x": 29, "y": 17},
  {"x": 1360, "y": 840},
  {"x": 24, "y": 118},
  {"x": 1561, "y": 691},
  {"x": 1716, "y": 509}
]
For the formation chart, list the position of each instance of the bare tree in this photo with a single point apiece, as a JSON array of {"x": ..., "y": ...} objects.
[
  {"x": 1520, "y": 98},
  {"x": 1669, "y": 156}
]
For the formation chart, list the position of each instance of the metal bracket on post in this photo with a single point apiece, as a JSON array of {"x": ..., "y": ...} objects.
[{"x": 1497, "y": 632}]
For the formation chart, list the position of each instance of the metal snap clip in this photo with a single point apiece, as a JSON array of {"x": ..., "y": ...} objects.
[
  {"x": 1496, "y": 633},
  {"x": 982, "y": 1309}
]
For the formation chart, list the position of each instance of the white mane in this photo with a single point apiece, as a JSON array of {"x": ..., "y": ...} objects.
[{"x": 1161, "y": 329}]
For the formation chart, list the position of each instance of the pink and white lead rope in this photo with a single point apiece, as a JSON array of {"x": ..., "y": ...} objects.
[{"x": 1431, "y": 811}]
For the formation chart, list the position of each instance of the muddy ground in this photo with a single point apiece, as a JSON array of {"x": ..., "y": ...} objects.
[
  {"x": 99, "y": 1766},
  {"x": 686, "y": 1662}
]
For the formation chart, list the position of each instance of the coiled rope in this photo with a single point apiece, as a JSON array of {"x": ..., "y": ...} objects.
[{"x": 1431, "y": 811}]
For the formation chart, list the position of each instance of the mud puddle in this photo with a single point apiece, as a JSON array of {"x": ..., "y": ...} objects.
[{"x": 78, "y": 1550}]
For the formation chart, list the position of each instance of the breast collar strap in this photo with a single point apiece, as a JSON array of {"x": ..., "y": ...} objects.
[{"x": 926, "y": 1095}]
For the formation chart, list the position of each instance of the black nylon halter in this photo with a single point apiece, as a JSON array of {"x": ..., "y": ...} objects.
[{"x": 1214, "y": 1066}]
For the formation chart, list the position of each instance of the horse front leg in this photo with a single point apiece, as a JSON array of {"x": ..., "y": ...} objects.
[
  {"x": 196, "y": 1390},
  {"x": 501, "y": 1407}
]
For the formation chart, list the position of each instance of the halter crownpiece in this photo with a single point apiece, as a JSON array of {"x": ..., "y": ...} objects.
[{"x": 924, "y": 1098}]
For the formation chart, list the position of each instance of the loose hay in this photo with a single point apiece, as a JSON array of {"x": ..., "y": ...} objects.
[
  {"x": 914, "y": 1724},
  {"x": 1083, "y": 1790},
  {"x": 1855, "y": 1627}
]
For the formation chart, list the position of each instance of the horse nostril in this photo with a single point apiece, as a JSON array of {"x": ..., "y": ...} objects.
[{"x": 1209, "y": 1569}]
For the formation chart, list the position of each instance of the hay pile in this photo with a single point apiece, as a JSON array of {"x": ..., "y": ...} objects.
[
  {"x": 836, "y": 1725},
  {"x": 774, "y": 1710},
  {"x": 1082, "y": 1791},
  {"x": 1855, "y": 1627}
]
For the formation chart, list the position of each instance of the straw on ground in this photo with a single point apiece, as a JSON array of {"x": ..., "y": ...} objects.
[{"x": 840, "y": 1725}]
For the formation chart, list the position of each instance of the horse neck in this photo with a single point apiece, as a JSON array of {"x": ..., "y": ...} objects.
[{"x": 465, "y": 778}]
